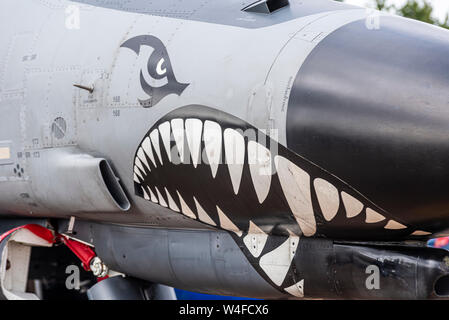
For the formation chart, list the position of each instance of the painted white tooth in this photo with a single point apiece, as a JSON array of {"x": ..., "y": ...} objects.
[
  {"x": 295, "y": 184},
  {"x": 227, "y": 224},
  {"x": 297, "y": 289},
  {"x": 185, "y": 208},
  {"x": 353, "y": 206},
  {"x": 171, "y": 203},
  {"x": 146, "y": 145},
  {"x": 202, "y": 214},
  {"x": 394, "y": 225},
  {"x": 152, "y": 196},
  {"x": 291, "y": 233},
  {"x": 373, "y": 216},
  {"x": 328, "y": 198},
  {"x": 141, "y": 156},
  {"x": 235, "y": 156},
  {"x": 164, "y": 130},
  {"x": 145, "y": 194},
  {"x": 255, "y": 240},
  {"x": 259, "y": 159},
  {"x": 139, "y": 174},
  {"x": 136, "y": 178},
  {"x": 421, "y": 233},
  {"x": 139, "y": 164},
  {"x": 161, "y": 198},
  {"x": 277, "y": 262},
  {"x": 194, "y": 128},
  {"x": 213, "y": 142},
  {"x": 154, "y": 136},
  {"x": 254, "y": 228},
  {"x": 177, "y": 126}
]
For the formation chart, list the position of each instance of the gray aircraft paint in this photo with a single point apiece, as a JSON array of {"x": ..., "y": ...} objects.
[
  {"x": 109, "y": 122},
  {"x": 93, "y": 124},
  {"x": 46, "y": 118},
  {"x": 213, "y": 262},
  {"x": 226, "y": 12}
]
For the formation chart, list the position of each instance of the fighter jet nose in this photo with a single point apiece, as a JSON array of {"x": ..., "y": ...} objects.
[{"x": 371, "y": 106}]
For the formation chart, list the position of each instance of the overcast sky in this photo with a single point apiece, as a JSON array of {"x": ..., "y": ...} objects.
[{"x": 441, "y": 7}]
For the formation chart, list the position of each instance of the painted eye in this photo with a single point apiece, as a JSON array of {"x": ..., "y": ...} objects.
[{"x": 159, "y": 69}]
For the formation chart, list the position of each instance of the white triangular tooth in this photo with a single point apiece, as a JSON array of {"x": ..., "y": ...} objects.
[
  {"x": 328, "y": 198},
  {"x": 297, "y": 289},
  {"x": 141, "y": 156},
  {"x": 291, "y": 233},
  {"x": 259, "y": 159},
  {"x": 148, "y": 197},
  {"x": 254, "y": 228},
  {"x": 146, "y": 145},
  {"x": 153, "y": 198},
  {"x": 394, "y": 225},
  {"x": 421, "y": 233},
  {"x": 276, "y": 263},
  {"x": 255, "y": 240},
  {"x": 136, "y": 178},
  {"x": 213, "y": 144},
  {"x": 162, "y": 201},
  {"x": 373, "y": 216},
  {"x": 164, "y": 130},
  {"x": 139, "y": 164},
  {"x": 154, "y": 136},
  {"x": 145, "y": 194},
  {"x": 295, "y": 184},
  {"x": 171, "y": 203},
  {"x": 353, "y": 206},
  {"x": 194, "y": 128},
  {"x": 202, "y": 214},
  {"x": 227, "y": 224},
  {"x": 177, "y": 126},
  {"x": 139, "y": 174},
  {"x": 185, "y": 208},
  {"x": 235, "y": 156}
]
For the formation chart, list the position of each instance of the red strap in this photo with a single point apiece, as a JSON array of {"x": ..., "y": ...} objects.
[
  {"x": 38, "y": 230},
  {"x": 101, "y": 279},
  {"x": 81, "y": 250}
]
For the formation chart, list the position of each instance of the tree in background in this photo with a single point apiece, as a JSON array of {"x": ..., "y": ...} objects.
[
  {"x": 414, "y": 9},
  {"x": 422, "y": 11},
  {"x": 382, "y": 5}
]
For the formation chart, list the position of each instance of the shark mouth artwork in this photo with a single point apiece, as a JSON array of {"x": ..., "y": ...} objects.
[{"x": 216, "y": 168}]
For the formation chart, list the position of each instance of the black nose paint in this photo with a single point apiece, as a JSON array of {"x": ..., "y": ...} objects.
[{"x": 159, "y": 67}]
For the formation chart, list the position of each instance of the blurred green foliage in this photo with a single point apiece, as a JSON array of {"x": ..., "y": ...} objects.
[{"x": 421, "y": 10}]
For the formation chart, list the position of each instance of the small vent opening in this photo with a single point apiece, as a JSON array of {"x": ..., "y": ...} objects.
[
  {"x": 266, "y": 6},
  {"x": 113, "y": 186}
]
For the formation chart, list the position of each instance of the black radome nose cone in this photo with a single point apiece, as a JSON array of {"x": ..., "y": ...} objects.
[{"x": 372, "y": 107}]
